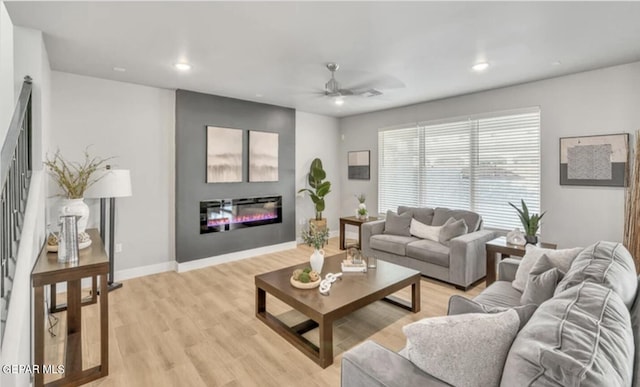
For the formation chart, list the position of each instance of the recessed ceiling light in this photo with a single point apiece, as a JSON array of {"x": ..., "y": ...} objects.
[
  {"x": 339, "y": 101},
  {"x": 119, "y": 69},
  {"x": 183, "y": 66},
  {"x": 481, "y": 66},
  {"x": 556, "y": 63}
]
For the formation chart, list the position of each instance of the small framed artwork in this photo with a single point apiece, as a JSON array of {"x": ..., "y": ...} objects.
[
  {"x": 224, "y": 155},
  {"x": 358, "y": 164},
  {"x": 263, "y": 156},
  {"x": 594, "y": 160}
]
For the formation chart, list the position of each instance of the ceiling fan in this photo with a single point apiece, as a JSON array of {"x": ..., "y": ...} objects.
[{"x": 333, "y": 89}]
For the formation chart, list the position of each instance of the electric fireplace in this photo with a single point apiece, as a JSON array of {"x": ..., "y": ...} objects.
[{"x": 229, "y": 214}]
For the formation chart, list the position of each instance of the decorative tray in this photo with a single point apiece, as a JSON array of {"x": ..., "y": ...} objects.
[{"x": 302, "y": 285}]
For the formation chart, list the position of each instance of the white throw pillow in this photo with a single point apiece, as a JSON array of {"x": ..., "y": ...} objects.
[
  {"x": 559, "y": 258},
  {"x": 465, "y": 350},
  {"x": 424, "y": 231}
]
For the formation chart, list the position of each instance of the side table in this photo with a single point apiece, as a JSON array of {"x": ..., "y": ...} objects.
[
  {"x": 352, "y": 220},
  {"x": 499, "y": 247}
]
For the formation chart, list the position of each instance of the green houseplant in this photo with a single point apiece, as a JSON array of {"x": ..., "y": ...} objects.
[
  {"x": 319, "y": 187},
  {"x": 530, "y": 222}
]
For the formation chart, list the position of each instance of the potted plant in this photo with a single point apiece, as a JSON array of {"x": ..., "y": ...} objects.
[
  {"x": 320, "y": 189},
  {"x": 74, "y": 178},
  {"x": 316, "y": 237},
  {"x": 530, "y": 222},
  {"x": 362, "y": 212}
]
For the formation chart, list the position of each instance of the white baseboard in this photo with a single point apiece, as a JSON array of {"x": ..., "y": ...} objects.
[
  {"x": 235, "y": 256},
  {"x": 142, "y": 271}
]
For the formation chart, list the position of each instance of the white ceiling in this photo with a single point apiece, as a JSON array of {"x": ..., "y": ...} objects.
[{"x": 274, "y": 52}]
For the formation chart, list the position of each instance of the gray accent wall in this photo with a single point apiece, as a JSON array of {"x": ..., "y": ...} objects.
[{"x": 196, "y": 111}]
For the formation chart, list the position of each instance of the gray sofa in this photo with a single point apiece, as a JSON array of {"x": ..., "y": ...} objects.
[
  {"x": 586, "y": 334},
  {"x": 461, "y": 261}
]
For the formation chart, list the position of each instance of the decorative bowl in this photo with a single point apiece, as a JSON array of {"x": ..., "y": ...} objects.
[{"x": 302, "y": 285}]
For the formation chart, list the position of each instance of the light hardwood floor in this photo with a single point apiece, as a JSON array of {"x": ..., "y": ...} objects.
[{"x": 199, "y": 329}]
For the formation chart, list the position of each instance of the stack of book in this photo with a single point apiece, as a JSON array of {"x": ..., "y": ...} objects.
[{"x": 357, "y": 266}]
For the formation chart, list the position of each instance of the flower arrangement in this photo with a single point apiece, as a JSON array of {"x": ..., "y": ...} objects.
[
  {"x": 362, "y": 207},
  {"x": 74, "y": 178},
  {"x": 315, "y": 237}
]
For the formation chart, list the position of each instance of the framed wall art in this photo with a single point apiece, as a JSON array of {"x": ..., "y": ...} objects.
[
  {"x": 594, "y": 160},
  {"x": 358, "y": 164},
  {"x": 224, "y": 155},
  {"x": 263, "y": 156}
]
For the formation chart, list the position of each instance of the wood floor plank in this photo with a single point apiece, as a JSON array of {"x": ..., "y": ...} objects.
[{"x": 199, "y": 328}]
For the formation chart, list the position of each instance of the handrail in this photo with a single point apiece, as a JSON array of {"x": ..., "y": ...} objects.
[
  {"x": 15, "y": 127},
  {"x": 15, "y": 177}
]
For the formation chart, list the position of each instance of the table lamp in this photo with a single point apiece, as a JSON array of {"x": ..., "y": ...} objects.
[{"x": 111, "y": 184}]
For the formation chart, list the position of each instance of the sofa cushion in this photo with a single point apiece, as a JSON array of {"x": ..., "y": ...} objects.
[
  {"x": 394, "y": 244},
  {"x": 465, "y": 350},
  {"x": 421, "y": 214},
  {"x": 425, "y": 231},
  {"x": 499, "y": 294},
  {"x": 606, "y": 263},
  {"x": 429, "y": 251},
  {"x": 472, "y": 219},
  {"x": 397, "y": 224},
  {"x": 561, "y": 259},
  {"x": 462, "y": 305},
  {"x": 635, "y": 325},
  {"x": 452, "y": 229},
  {"x": 542, "y": 282},
  {"x": 581, "y": 337}
]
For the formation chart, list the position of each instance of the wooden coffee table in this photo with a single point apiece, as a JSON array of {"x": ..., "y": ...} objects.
[{"x": 348, "y": 294}]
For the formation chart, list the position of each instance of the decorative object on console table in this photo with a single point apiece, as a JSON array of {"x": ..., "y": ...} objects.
[
  {"x": 224, "y": 155},
  {"x": 263, "y": 156},
  {"x": 321, "y": 188},
  {"x": 361, "y": 212},
  {"x": 530, "y": 222},
  {"x": 594, "y": 160},
  {"x": 74, "y": 179},
  {"x": 500, "y": 247},
  {"x": 359, "y": 165},
  {"x": 114, "y": 183},
  {"x": 632, "y": 208}
]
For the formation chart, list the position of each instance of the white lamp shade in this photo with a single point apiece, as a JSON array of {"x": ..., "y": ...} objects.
[{"x": 112, "y": 183}]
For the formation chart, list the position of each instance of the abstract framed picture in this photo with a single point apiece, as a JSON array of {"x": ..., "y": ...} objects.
[
  {"x": 358, "y": 164},
  {"x": 594, "y": 160},
  {"x": 263, "y": 156},
  {"x": 224, "y": 155}
]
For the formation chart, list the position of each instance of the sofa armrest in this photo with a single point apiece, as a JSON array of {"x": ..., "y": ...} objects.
[
  {"x": 370, "y": 364},
  {"x": 468, "y": 257},
  {"x": 368, "y": 230},
  {"x": 507, "y": 269}
]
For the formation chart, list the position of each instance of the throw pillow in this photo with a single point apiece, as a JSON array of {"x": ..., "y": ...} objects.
[
  {"x": 466, "y": 350},
  {"x": 542, "y": 282},
  {"x": 397, "y": 224},
  {"x": 462, "y": 305},
  {"x": 451, "y": 229},
  {"x": 424, "y": 231},
  {"x": 561, "y": 259}
]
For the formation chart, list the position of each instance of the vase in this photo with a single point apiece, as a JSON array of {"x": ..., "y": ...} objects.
[
  {"x": 531, "y": 239},
  {"x": 317, "y": 260},
  {"x": 78, "y": 208}
]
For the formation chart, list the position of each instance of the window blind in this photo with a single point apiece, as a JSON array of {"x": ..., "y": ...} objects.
[{"x": 480, "y": 164}]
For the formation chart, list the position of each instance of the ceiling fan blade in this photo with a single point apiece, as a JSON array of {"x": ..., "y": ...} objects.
[{"x": 385, "y": 82}]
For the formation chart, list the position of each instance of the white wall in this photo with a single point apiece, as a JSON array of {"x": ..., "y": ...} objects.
[
  {"x": 135, "y": 124},
  {"x": 317, "y": 136},
  {"x": 590, "y": 103},
  {"x": 7, "y": 100}
]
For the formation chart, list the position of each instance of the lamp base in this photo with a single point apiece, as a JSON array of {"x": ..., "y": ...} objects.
[{"x": 114, "y": 285}]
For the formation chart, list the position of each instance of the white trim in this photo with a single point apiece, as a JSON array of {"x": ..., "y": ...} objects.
[
  {"x": 230, "y": 257},
  {"x": 135, "y": 272}
]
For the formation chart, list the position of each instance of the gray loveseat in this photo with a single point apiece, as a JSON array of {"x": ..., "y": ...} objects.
[
  {"x": 461, "y": 261},
  {"x": 586, "y": 334}
]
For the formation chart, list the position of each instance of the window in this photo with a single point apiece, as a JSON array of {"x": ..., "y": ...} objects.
[{"x": 479, "y": 163}]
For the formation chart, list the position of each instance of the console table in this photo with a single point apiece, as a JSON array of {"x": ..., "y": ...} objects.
[
  {"x": 352, "y": 220},
  {"x": 501, "y": 248},
  {"x": 93, "y": 262}
]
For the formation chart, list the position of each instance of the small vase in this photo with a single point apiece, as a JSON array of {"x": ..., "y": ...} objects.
[
  {"x": 531, "y": 239},
  {"x": 317, "y": 260},
  {"x": 78, "y": 208}
]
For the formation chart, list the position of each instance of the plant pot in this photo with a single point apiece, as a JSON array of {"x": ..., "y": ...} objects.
[
  {"x": 531, "y": 239},
  {"x": 318, "y": 224},
  {"x": 317, "y": 260},
  {"x": 78, "y": 208}
]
